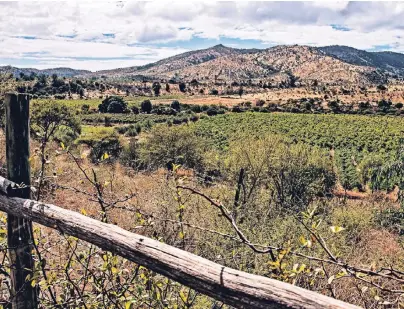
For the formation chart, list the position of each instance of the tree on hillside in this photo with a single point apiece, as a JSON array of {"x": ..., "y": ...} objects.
[
  {"x": 167, "y": 87},
  {"x": 42, "y": 79},
  {"x": 182, "y": 86},
  {"x": 381, "y": 88},
  {"x": 113, "y": 104},
  {"x": 214, "y": 92},
  {"x": 156, "y": 88},
  {"x": 240, "y": 91}
]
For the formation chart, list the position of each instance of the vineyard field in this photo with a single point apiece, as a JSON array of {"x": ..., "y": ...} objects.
[{"x": 354, "y": 138}]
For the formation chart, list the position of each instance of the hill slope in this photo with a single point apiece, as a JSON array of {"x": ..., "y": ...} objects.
[
  {"x": 389, "y": 61},
  {"x": 279, "y": 65},
  {"x": 64, "y": 72},
  {"x": 276, "y": 65}
]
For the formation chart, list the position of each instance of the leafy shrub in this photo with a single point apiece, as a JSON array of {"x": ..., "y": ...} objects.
[
  {"x": 176, "y": 105},
  {"x": 296, "y": 174},
  {"x": 392, "y": 219},
  {"x": 212, "y": 111},
  {"x": 178, "y": 144},
  {"x": 52, "y": 119},
  {"x": 146, "y": 106},
  {"x": 60, "y": 96},
  {"x": 113, "y": 104},
  {"x": 182, "y": 86},
  {"x": 85, "y": 108},
  {"x": 196, "y": 108},
  {"x": 259, "y": 103},
  {"x": 135, "y": 110},
  {"x": 130, "y": 155}
]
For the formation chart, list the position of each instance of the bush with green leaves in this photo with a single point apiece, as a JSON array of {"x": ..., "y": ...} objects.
[
  {"x": 114, "y": 105},
  {"x": 176, "y": 105},
  {"x": 54, "y": 120},
  {"x": 130, "y": 155},
  {"x": 182, "y": 86},
  {"x": 146, "y": 106},
  {"x": 156, "y": 88},
  {"x": 135, "y": 110},
  {"x": 102, "y": 142},
  {"x": 213, "y": 92},
  {"x": 174, "y": 145},
  {"x": 295, "y": 174}
]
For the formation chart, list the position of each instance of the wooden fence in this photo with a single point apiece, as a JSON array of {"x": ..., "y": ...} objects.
[{"x": 230, "y": 286}]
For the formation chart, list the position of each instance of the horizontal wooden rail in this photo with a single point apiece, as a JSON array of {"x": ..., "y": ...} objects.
[{"x": 233, "y": 287}]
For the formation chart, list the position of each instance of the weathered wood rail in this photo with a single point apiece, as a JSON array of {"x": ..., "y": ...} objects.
[{"x": 233, "y": 287}]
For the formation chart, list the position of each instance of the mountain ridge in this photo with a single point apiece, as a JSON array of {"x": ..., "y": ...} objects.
[
  {"x": 335, "y": 64},
  {"x": 60, "y": 71},
  {"x": 275, "y": 65}
]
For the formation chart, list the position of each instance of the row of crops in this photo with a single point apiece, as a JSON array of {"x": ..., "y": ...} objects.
[
  {"x": 356, "y": 139},
  {"x": 122, "y": 118}
]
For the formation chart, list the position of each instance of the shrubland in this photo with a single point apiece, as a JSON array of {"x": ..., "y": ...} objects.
[{"x": 255, "y": 191}]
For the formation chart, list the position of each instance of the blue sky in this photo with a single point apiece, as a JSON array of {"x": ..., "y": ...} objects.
[{"x": 105, "y": 35}]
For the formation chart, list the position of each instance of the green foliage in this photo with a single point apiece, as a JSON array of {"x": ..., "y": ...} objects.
[
  {"x": 146, "y": 106},
  {"x": 392, "y": 219},
  {"x": 354, "y": 137},
  {"x": 295, "y": 173},
  {"x": 177, "y": 145},
  {"x": 52, "y": 119},
  {"x": 176, "y": 105},
  {"x": 213, "y": 92},
  {"x": 113, "y": 104},
  {"x": 156, "y": 88},
  {"x": 182, "y": 86},
  {"x": 101, "y": 140},
  {"x": 240, "y": 91},
  {"x": 130, "y": 155}
]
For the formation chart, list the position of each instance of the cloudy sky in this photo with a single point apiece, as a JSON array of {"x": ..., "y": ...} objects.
[{"x": 105, "y": 35}]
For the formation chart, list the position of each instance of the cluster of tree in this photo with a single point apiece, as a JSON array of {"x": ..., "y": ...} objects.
[{"x": 42, "y": 86}]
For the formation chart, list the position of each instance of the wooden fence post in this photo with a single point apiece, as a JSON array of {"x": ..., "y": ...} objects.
[{"x": 19, "y": 230}]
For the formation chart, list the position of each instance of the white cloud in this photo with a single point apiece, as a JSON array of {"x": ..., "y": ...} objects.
[{"x": 66, "y": 32}]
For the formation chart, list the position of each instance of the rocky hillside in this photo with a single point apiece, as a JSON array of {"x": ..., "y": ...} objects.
[
  {"x": 176, "y": 62},
  {"x": 277, "y": 65},
  {"x": 389, "y": 61},
  {"x": 64, "y": 72}
]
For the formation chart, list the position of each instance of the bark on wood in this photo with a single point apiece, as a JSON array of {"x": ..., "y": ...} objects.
[
  {"x": 19, "y": 238},
  {"x": 233, "y": 287}
]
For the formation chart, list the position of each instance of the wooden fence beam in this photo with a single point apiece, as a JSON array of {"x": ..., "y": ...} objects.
[
  {"x": 19, "y": 229},
  {"x": 233, "y": 287}
]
